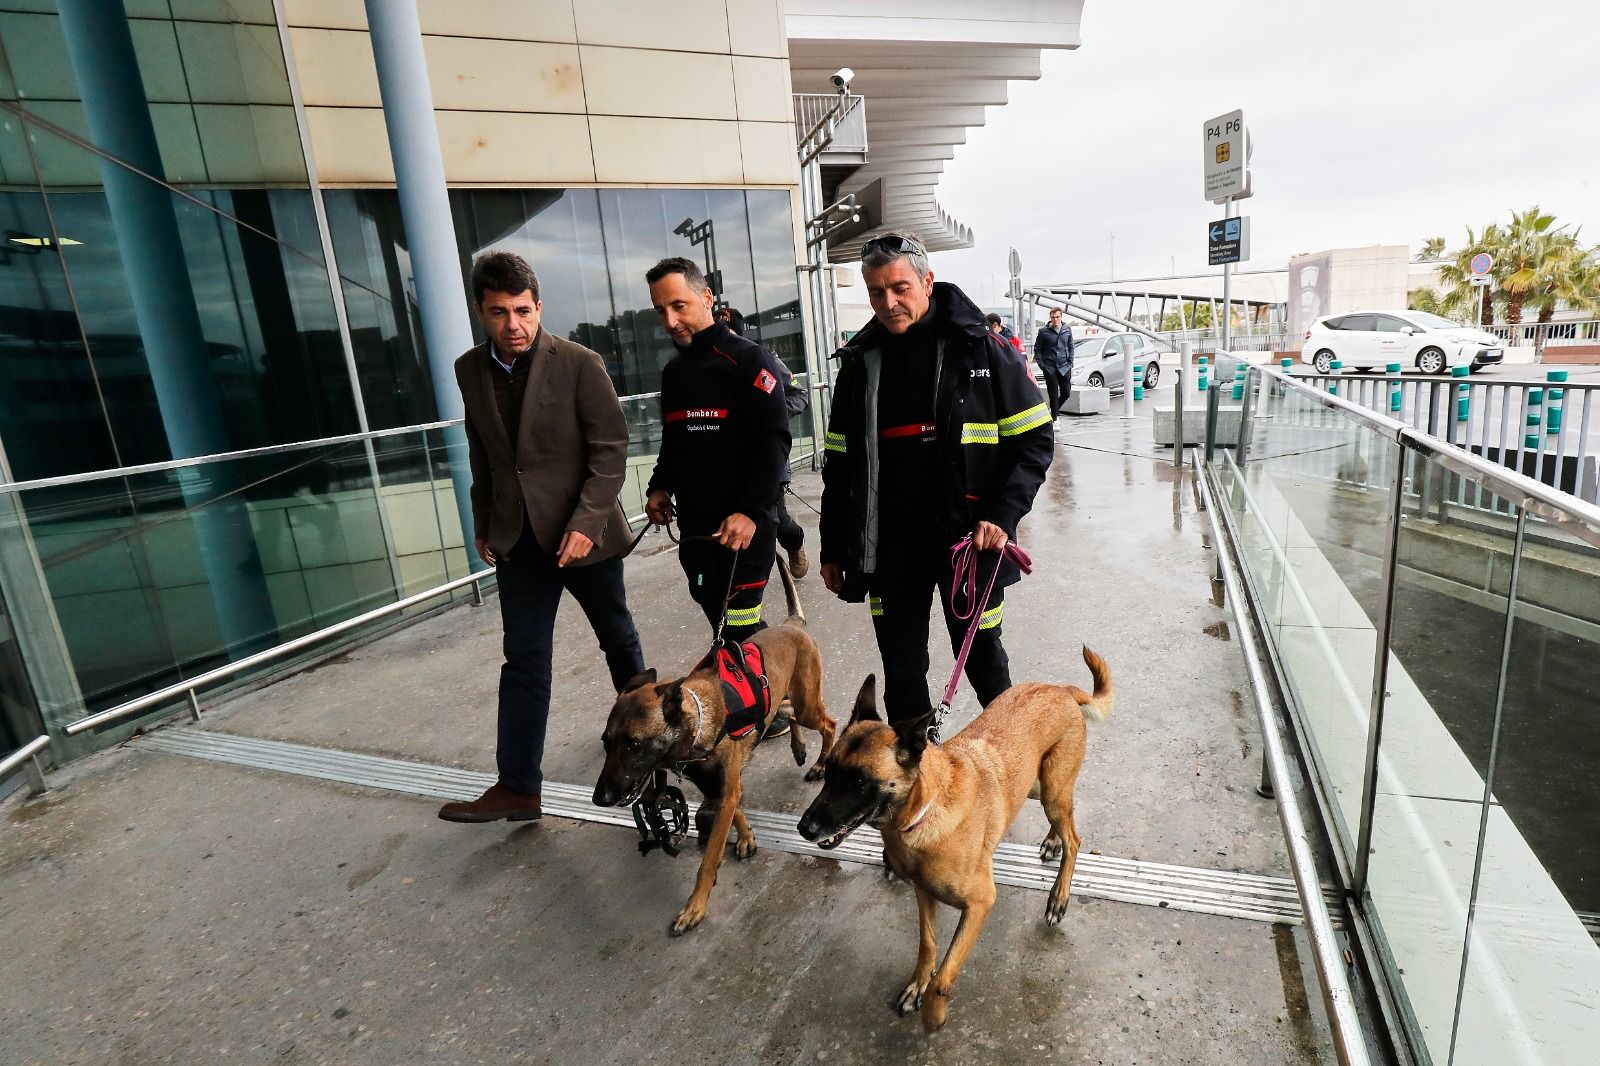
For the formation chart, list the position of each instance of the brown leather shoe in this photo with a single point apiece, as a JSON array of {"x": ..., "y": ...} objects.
[
  {"x": 799, "y": 565},
  {"x": 497, "y": 804}
]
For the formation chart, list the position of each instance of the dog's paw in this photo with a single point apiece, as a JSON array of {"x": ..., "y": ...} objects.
[
  {"x": 799, "y": 751},
  {"x": 1051, "y": 848},
  {"x": 815, "y": 773},
  {"x": 935, "y": 1005},
  {"x": 1056, "y": 909},
  {"x": 910, "y": 998},
  {"x": 744, "y": 847},
  {"x": 687, "y": 919}
]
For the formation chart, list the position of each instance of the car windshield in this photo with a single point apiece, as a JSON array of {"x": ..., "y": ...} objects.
[
  {"x": 1423, "y": 318},
  {"x": 1085, "y": 349}
]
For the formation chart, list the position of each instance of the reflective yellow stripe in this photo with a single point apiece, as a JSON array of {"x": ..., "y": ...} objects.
[
  {"x": 980, "y": 433},
  {"x": 992, "y": 617},
  {"x": 1022, "y": 421},
  {"x": 834, "y": 442},
  {"x": 744, "y": 616},
  {"x": 876, "y": 603}
]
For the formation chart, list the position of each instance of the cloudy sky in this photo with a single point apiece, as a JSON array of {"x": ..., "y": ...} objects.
[{"x": 1374, "y": 122}]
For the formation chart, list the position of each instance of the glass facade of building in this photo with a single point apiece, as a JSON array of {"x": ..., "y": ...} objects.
[{"x": 210, "y": 440}]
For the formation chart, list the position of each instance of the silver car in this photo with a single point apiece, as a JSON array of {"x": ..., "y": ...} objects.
[{"x": 1097, "y": 361}]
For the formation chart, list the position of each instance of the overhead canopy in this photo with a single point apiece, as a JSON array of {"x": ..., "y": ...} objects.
[{"x": 927, "y": 78}]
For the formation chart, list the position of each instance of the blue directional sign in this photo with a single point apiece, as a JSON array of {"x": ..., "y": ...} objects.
[{"x": 1228, "y": 241}]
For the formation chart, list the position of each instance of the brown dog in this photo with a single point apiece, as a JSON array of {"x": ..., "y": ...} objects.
[
  {"x": 678, "y": 725},
  {"x": 943, "y": 809}
]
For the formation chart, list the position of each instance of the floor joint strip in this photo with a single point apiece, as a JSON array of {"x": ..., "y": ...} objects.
[{"x": 1255, "y": 897}]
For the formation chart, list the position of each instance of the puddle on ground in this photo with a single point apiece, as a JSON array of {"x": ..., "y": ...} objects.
[{"x": 1219, "y": 630}]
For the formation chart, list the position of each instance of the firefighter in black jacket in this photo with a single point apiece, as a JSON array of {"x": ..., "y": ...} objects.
[
  {"x": 724, "y": 448},
  {"x": 936, "y": 432}
]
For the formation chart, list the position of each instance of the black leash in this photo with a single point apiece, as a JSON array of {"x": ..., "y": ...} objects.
[{"x": 803, "y": 501}]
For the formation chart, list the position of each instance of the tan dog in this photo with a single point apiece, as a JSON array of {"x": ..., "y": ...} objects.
[
  {"x": 943, "y": 809},
  {"x": 678, "y": 725}
]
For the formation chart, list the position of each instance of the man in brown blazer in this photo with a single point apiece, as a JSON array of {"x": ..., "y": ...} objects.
[{"x": 549, "y": 448}]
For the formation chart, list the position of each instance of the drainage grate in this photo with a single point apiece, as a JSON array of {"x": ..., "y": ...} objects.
[{"x": 1183, "y": 888}]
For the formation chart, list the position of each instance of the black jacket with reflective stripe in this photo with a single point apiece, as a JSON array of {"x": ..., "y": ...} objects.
[
  {"x": 725, "y": 430},
  {"x": 995, "y": 434}
]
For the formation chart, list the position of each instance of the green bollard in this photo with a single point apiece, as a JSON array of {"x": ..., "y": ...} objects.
[
  {"x": 1463, "y": 392},
  {"x": 1553, "y": 409},
  {"x": 1393, "y": 370},
  {"x": 1138, "y": 381},
  {"x": 1336, "y": 368},
  {"x": 1203, "y": 369},
  {"x": 1238, "y": 380}
]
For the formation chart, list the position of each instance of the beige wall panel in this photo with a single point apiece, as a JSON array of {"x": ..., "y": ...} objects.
[
  {"x": 761, "y": 87},
  {"x": 351, "y": 145},
  {"x": 662, "y": 151},
  {"x": 471, "y": 74},
  {"x": 327, "y": 14},
  {"x": 510, "y": 149},
  {"x": 520, "y": 20},
  {"x": 641, "y": 81},
  {"x": 683, "y": 26},
  {"x": 336, "y": 68},
  {"x": 515, "y": 20},
  {"x": 769, "y": 153},
  {"x": 755, "y": 28}
]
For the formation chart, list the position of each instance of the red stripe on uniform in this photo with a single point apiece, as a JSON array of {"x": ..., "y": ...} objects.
[
  {"x": 916, "y": 429},
  {"x": 752, "y": 585},
  {"x": 697, "y": 412}
]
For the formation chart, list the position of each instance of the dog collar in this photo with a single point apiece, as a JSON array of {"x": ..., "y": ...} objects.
[
  {"x": 699, "y": 717},
  {"x": 926, "y": 807}
]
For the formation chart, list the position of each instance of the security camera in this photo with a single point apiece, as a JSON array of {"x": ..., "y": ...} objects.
[{"x": 842, "y": 77}]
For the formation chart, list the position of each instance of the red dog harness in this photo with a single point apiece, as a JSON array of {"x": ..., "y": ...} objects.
[{"x": 745, "y": 692}]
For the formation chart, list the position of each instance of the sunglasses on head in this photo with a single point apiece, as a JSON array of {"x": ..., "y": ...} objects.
[{"x": 895, "y": 245}]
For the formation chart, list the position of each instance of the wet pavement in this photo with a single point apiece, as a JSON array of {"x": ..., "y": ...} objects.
[{"x": 164, "y": 909}]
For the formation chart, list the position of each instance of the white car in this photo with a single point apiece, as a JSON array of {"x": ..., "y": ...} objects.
[
  {"x": 1097, "y": 360},
  {"x": 1366, "y": 340}
]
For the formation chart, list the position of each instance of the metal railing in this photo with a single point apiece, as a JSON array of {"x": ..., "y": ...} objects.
[
  {"x": 1549, "y": 430},
  {"x": 849, "y": 129},
  {"x": 190, "y": 687},
  {"x": 1548, "y": 334},
  {"x": 1478, "y": 946}
]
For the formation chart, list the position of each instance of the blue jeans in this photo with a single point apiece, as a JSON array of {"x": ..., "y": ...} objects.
[{"x": 530, "y": 593}]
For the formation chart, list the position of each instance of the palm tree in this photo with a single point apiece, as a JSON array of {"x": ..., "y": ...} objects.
[
  {"x": 1530, "y": 247},
  {"x": 1432, "y": 250}
]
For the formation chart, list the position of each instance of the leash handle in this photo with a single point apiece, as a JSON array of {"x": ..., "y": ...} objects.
[
  {"x": 964, "y": 568},
  {"x": 727, "y": 597}
]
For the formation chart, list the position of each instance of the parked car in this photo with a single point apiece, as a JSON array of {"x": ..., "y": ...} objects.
[
  {"x": 1367, "y": 340},
  {"x": 1097, "y": 360}
]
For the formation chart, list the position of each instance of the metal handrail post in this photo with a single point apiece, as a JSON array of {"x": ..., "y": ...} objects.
[
  {"x": 1380, "y": 678},
  {"x": 26, "y": 758}
]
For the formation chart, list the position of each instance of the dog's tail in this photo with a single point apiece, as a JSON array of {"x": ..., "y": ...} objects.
[
  {"x": 1097, "y": 706},
  {"x": 791, "y": 595}
]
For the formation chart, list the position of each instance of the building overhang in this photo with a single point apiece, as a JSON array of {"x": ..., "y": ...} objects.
[{"x": 927, "y": 78}]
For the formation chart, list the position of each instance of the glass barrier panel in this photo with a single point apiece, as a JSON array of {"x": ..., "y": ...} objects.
[
  {"x": 1312, "y": 503},
  {"x": 1452, "y": 575},
  {"x": 1533, "y": 968}
]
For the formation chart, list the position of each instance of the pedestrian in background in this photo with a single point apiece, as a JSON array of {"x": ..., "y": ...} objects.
[{"x": 1052, "y": 350}]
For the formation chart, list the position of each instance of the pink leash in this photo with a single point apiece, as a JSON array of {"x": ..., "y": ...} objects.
[{"x": 964, "y": 568}]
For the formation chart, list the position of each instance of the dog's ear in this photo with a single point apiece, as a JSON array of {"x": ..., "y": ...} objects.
[
  {"x": 640, "y": 680},
  {"x": 866, "y": 709},
  {"x": 911, "y": 740},
  {"x": 672, "y": 703}
]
